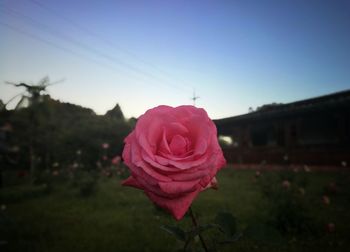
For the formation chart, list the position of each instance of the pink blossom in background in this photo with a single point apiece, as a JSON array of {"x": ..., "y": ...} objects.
[
  {"x": 105, "y": 146},
  {"x": 286, "y": 184},
  {"x": 330, "y": 227},
  {"x": 116, "y": 160},
  {"x": 326, "y": 200},
  {"x": 257, "y": 174},
  {"x": 173, "y": 154}
]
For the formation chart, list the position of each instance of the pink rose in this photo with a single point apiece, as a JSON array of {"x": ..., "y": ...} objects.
[{"x": 173, "y": 154}]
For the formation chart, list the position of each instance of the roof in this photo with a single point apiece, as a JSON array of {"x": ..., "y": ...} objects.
[{"x": 277, "y": 110}]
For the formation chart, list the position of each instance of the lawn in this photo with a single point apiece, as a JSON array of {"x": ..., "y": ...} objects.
[{"x": 115, "y": 218}]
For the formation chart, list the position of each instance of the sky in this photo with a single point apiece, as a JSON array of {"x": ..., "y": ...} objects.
[{"x": 140, "y": 54}]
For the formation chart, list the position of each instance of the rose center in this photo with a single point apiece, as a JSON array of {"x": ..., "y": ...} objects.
[{"x": 178, "y": 145}]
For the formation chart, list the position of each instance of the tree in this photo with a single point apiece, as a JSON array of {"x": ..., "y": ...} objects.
[{"x": 116, "y": 113}]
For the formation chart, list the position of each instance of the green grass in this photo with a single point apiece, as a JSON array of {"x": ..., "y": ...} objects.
[{"x": 117, "y": 218}]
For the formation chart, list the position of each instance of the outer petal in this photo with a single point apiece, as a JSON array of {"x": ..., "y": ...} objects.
[
  {"x": 213, "y": 184},
  {"x": 130, "y": 181},
  {"x": 139, "y": 166},
  {"x": 177, "y": 207},
  {"x": 189, "y": 176},
  {"x": 178, "y": 187},
  {"x": 158, "y": 164}
]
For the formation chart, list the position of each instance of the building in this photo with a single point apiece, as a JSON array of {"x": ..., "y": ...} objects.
[{"x": 315, "y": 131}]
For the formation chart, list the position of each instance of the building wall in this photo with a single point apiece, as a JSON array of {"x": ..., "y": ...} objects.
[{"x": 319, "y": 136}]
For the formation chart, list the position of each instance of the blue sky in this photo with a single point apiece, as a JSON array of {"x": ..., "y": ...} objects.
[{"x": 235, "y": 54}]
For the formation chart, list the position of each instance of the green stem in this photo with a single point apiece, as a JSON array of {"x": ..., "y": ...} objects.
[{"x": 195, "y": 224}]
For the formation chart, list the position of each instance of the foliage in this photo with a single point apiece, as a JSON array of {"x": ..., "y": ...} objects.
[
  {"x": 289, "y": 214},
  {"x": 86, "y": 182},
  {"x": 53, "y": 132}
]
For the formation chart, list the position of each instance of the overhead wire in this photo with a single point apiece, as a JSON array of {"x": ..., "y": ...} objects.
[
  {"x": 62, "y": 48},
  {"x": 109, "y": 42},
  {"x": 77, "y": 43}
]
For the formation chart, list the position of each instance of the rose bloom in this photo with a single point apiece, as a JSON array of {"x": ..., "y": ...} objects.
[{"x": 173, "y": 154}]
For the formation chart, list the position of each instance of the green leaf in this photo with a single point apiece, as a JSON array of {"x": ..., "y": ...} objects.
[
  {"x": 264, "y": 233},
  {"x": 176, "y": 231},
  {"x": 227, "y": 223}
]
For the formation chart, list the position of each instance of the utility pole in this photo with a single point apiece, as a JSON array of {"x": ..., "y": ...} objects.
[{"x": 194, "y": 98}]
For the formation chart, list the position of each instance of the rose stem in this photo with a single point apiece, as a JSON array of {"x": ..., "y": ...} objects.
[{"x": 195, "y": 223}]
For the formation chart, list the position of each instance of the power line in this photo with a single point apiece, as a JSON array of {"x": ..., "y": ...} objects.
[
  {"x": 67, "y": 50},
  {"x": 63, "y": 36},
  {"x": 108, "y": 42},
  {"x": 47, "y": 42},
  {"x": 113, "y": 45}
]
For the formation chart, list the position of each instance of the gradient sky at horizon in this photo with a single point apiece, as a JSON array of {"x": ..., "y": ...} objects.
[{"x": 140, "y": 54}]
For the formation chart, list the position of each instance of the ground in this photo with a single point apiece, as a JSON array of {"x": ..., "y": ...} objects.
[{"x": 116, "y": 218}]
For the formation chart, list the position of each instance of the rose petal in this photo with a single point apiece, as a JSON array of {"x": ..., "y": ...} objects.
[
  {"x": 188, "y": 164},
  {"x": 161, "y": 160},
  {"x": 177, "y": 207},
  {"x": 158, "y": 165},
  {"x": 176, "y": 128},
  {"x": 178, "y": 145},
  {"x": 154, "y": 134},
  {"x": 205, "y": 181},
  {"x": 200, "y": 147},
  {"x": 130, "y": 181},
  {"x": 186, "y": 156},
  {"x": 145, "y": 146},
  {"x": 150, "y": 171},
  {"x": 179, "y": 186},
  {"x": 154, "y": 188},
  {"x": 213, "y": 184},
  {"x": 164, "y": 146},
  {"x": 144, "y": 121},
  {"x": 139, "y": 166},
  {"x": 188, "y": 176}
]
